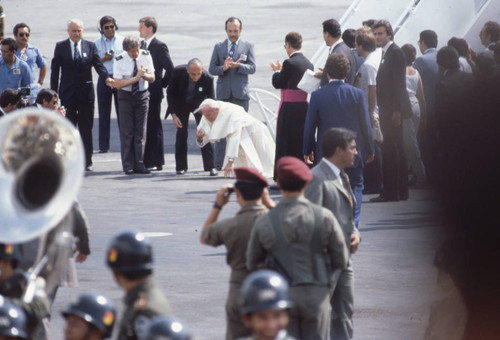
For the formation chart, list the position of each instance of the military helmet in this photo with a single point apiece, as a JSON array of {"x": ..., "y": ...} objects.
[
  {"x": 264, "y": 290},
  {"x": 95, "y": 309},
  {"x": 130, "y": 251},
  {"x": 167, "y": 328},
  {"x": 10, "y": 251},
  {"x": 12, "y": 320}
]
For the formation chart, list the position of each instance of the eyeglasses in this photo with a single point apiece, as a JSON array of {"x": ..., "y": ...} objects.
[
  {"x": 108, "y": 27},
  {"x": 22, "y": 34}
]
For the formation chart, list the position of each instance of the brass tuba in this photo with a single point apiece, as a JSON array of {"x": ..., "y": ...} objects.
[{"x": 41, "y": 171}]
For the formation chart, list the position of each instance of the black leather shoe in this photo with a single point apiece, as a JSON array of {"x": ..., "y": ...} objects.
[
  {"x": 181, "y": 172},
  {"x": 129, "y": 172},
  {"x": 142, "y": 171},
  {"x": 89, "y": 167},
  {"x": 103, "y": 151},
  {"x": 214, "y": 172}
]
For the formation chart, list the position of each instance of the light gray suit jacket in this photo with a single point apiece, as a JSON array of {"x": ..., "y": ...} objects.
[
  {"x": 327, "y": 190},
  {"x": 232, "y": 81}
]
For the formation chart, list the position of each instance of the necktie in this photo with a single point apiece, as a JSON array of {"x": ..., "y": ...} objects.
[
  {"x": 135, "y": 86},
  {"x": 77, "y": 58},
  {"x": 347, "y": 186},
  {"x": 143, "y": 45},
  {"x": 231, "y": 51}
]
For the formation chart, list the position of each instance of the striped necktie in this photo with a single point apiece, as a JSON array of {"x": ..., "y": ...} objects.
[
  {"x": 135, "y": 86},
  {"x": 77, "y": 57}
]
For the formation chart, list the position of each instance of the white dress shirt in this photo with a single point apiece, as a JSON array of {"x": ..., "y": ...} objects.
[{"x": 124, "y": 68}]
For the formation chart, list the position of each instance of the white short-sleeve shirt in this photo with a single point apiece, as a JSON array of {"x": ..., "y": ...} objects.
[{"x": 123, "y": 68}]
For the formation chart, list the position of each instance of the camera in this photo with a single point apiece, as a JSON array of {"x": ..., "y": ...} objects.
[
  {"x": 110, "y": 53},
  {"x": 25, "y": 93}
]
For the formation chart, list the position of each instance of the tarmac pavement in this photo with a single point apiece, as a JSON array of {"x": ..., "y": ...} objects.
[{"x": 395, "y": 280}]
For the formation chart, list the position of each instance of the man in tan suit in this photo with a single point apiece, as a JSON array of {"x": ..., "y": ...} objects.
[{"x": 330, "y": 188}]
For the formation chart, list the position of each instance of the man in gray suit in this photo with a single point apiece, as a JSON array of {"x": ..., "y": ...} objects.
[
  {"x": 428, "y": 68},
  {"x": 330, "y": 188},
  {"x": 232, "y": 61}
]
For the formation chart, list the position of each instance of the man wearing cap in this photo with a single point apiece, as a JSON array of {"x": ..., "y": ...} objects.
[
  {"x": 130, "y": 257},
  {"x": 330, "y": 188},
  {"x": 249, "y": 142},
  {"x": 13, "y": 286},
  {"x": 252, "y": 195},
  {"x": 91, "y": 317},
  {"x": 305, "y": 243}
]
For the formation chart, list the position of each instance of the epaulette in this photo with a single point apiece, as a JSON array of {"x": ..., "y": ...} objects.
[
  {"x": 120, "y": 57},
  {"x": 144, "y": 52}
]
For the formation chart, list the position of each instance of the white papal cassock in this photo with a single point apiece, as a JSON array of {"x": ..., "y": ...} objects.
[{"x": 249, "y": 142}]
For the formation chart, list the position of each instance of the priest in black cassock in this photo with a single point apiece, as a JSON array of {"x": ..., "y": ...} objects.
[{"x": 293, "y": 106}]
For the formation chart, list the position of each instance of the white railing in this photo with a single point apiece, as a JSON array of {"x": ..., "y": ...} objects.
[{"x": 268, "y": 114}]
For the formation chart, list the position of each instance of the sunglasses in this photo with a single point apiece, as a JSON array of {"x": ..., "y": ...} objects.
[
  {"x": 22, "y": 34},
  {"x": 108, "y": 27}
]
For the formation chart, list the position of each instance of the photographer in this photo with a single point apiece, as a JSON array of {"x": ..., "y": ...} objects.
[
  {"x": 251, "y": 194},
  {"x": 14, "y": 73},
  {"x": 48, "y": 99},
  {"x": 109, "y": 45},
  {"x": 9, "y": 101}
]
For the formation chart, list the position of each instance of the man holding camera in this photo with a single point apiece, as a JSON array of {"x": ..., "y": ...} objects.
[
  {"x": 14, "y": 73},
  {"x": 109, "y": 45},
  {"x": 252, "y": 195}
]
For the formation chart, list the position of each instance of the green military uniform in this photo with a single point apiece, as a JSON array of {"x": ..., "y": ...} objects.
[
  {"x": 142, "y": 303},
  {"x": 234, "y": 233},
  {"x": 13, "y": 290},
  {"x": 308, "y": 271}
]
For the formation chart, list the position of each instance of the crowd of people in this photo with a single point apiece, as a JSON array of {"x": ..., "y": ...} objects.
[{"x": 379, "y": 114}]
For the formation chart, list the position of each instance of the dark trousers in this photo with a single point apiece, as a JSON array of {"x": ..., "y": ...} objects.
[
  {"x": 133, "y": 117},
  {"x": 394, "y": 164},
  {"x": 181, "y": 146},
  {"x": 220, "y": 147},
  {"x": 372, "y": 172},
  {"x": 81, "y": 114},
  {"x": 153, "y": 153},
  {"x": 105, "y": 96}
]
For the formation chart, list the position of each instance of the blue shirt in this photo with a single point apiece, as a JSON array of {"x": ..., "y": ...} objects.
[
  {"x": 32, "y": 56},
  {"x": 103, "y": 44},
  {"x": 19, "y": 75}
]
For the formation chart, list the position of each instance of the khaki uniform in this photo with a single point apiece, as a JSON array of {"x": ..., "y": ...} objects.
[
  {"x": 141, "y": 304},
  {"x": 310, "y": 315},
  {"x": 234, "y": 233},
  {"x": 13, "y": 289}
]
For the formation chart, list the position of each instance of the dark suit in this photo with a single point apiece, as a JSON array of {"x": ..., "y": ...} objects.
[
  {"x": 76, "y": 88},
  {"x": 153, "y": 152},
  {"x": 345, "y": 50},
  {"x": 393, "y": 97},
  {"x": 182, "y": 103},
  {"x": 341, "y": 105},
  {"x": 293, "y": 106}
]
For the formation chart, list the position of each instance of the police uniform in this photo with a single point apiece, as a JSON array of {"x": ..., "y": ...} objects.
[
  {"x": 307, "y": 242},
  {"x": 32, "y": 56},
  {"x": 142, "y": 303},
  {"x": 234, "y": 233},
  {"x": 133, "y": 110},
  {"x": 14, "y": 77}
]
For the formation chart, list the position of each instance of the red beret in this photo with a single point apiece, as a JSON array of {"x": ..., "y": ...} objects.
[
  {"x": 250, "y": 175},
  {"x": 293, "y": 169}
]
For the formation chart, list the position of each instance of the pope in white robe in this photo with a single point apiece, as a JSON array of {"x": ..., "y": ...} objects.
[{"x": 249, "y": 142}]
